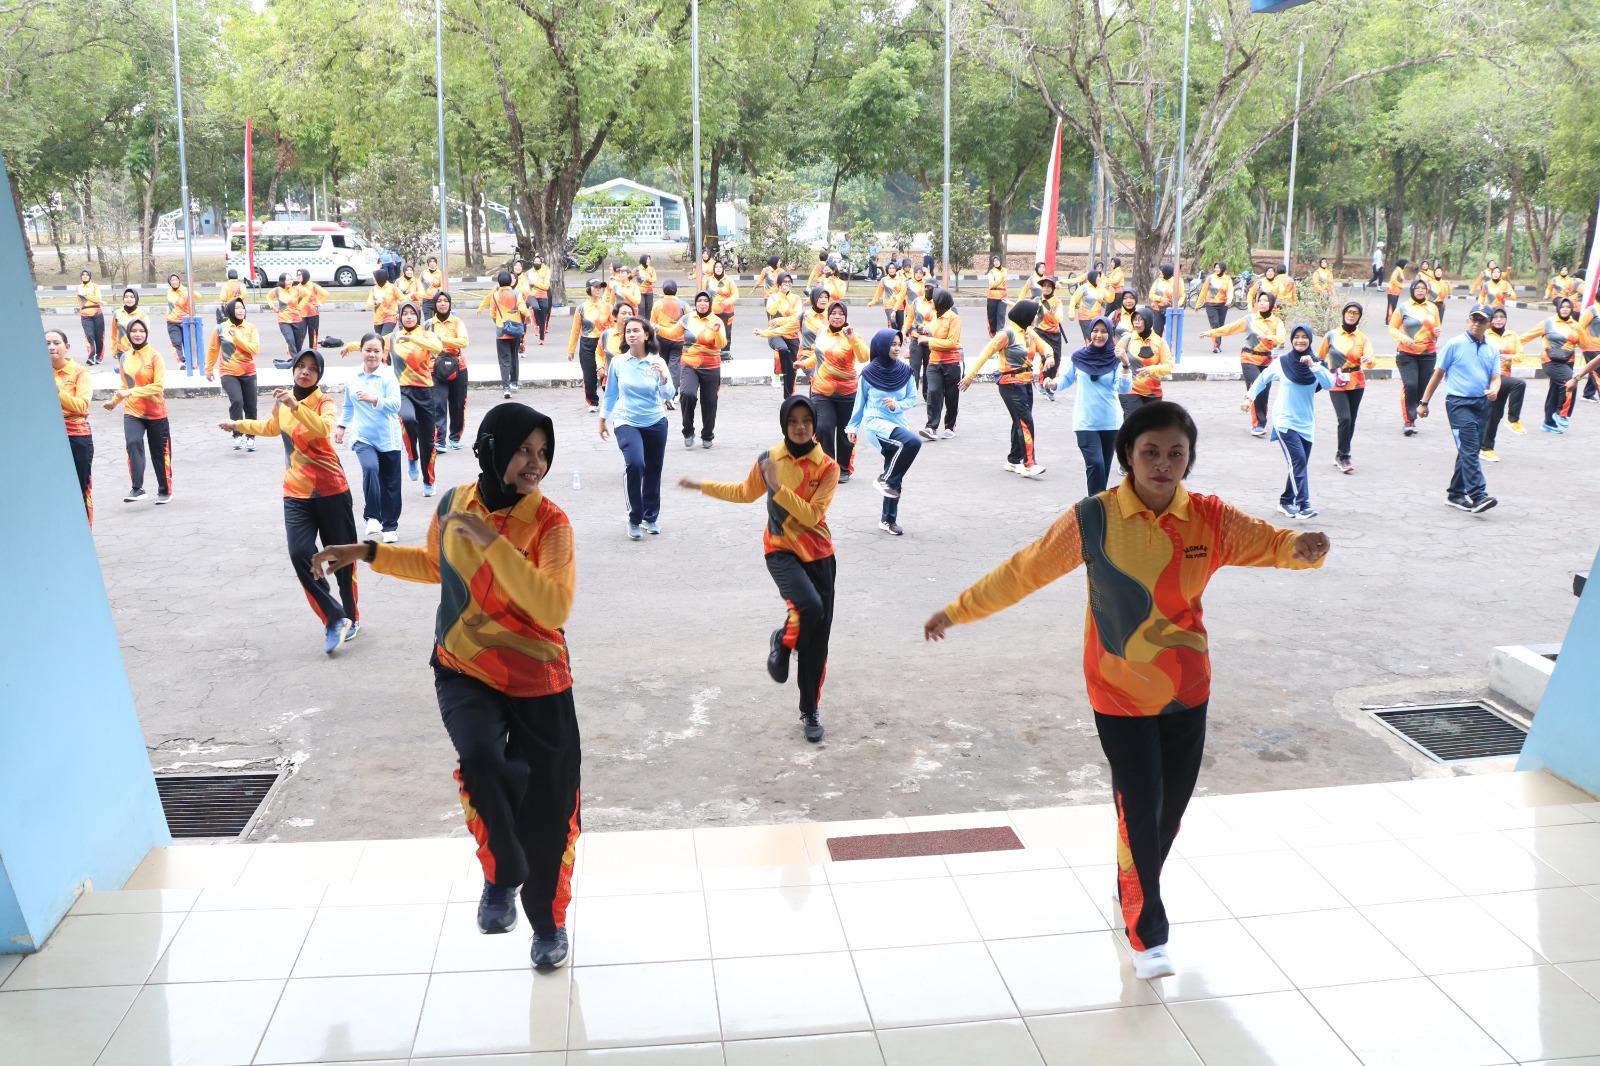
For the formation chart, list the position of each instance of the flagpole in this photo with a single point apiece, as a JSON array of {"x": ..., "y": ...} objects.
[
  {"x": 945, "y": 245},
  {"x": 1175, "y": 312},
  {"x": 191, "y": 324},
  {"x": 438, "y": 79}
]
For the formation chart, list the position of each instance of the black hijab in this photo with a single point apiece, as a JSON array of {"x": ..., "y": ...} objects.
[
  {"x": 443, "y": 313},
  {"x": 1359, "y": 311},
  {"x": 500, "y": 434},
  {"x": 797, "y": 400},
  {"x": 300, "y": 393},
  {"x": 236, "y": 305},
  {"x": 131, "y": 291},
  {"x": 943, "y": 301}
]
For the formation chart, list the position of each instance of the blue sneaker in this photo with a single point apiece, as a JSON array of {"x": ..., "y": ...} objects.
[
  {"x": 497, "y": 908},
  {"x": 414, "y": 468},
  {"x": 428, "y": 490},
  {"x": 1548, "y": 428},
  {"x": 1563, "y": 421},
  {"x": 335, "y": 635},
  {"x": 550, "y": 952}
]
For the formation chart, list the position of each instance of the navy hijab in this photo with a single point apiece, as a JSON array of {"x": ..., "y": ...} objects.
[
  {"x": 1289, "y": 363},
  {"x": 1097, "y": 360},
  {"x": 884, "y": 371}
]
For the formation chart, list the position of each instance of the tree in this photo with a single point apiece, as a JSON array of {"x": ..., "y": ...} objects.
[
  {"x": 776, "y": 213},
  {"x": 394, "y": 205},
  {"x": 968, "y": 234}
]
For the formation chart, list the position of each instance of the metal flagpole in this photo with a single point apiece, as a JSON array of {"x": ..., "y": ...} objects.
[
  {"x": 945, "y": 246},
  {"x": 1294, "y": 153},
  {"x": 694, "y": 105},
  {"x": 191, "y": 323},
  {"x": 438, "y": 78},
  {"x": 1175, "y": 312}
]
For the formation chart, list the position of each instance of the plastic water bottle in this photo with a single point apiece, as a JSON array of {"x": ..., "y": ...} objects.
[{"x": 577, "y": 482}]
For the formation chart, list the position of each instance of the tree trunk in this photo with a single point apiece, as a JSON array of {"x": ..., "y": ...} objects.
[
  {"x": 998, "y": 212},
  {"x": 16, "y": 207},
  {"x": 1507, "y": 247},
  {"x": 55, "y": 239},
  {"x": 833, "y": 200},
  {"x": 1395, "y": 215},
  {"x": 708, "y": 201},
  {"x": 147, "y": 217}
]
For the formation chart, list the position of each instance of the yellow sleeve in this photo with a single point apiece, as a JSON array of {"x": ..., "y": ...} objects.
[
  {"x": 317, "y": 422},
  {"x": 859, "y": 346},
  {"x": 1244, "y": 540},
  {"x": 411, "y": 564},
  {"x": 259, "y": 427},
  {"x": 427, "y": 340},
  {"x": 157, "y": 386},
  {"x": 812, "y": 512},
  {"x": 544, "y": 590},
  {"x": 749, "y": 490},
  {"x": 951, "y": 341},
  {"x": 1072, "y": 304},
  {"x": 1397, "y": 332},
  {"x": 577, "y": 332},
  {"x": 247, "y": 340},
  {"x": 1531, "y": 335},
  {"x": 996, "y": 345},
  {"x": 1227, "y": 329},
  {"x": 877, "y": 297},
  {"x": 487, "y": 301},
  {"x": 1163, "y": 364},
  {"x": 1058, "y": 552},
  {"x": 213, "y": 350},
  {"x": 76, "y": 396}
]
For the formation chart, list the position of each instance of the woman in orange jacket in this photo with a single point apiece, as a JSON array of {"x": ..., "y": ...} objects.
[
  {"x": 837, "y": 355},
  {"x": 537, "y": 298},
  {"x": 180, "y": 306},
  {"x": 142, "y": 386},
  {"x": 450, "y": 370},
  {"x": 588, "y": 322},
  {"x": 311, "y": 297},
  {"x": 1414, "y": 328},
  {"x": 92, "y": 314},
  {"x": 1216, "y": 296},
  {"x": 724, "y": 292},
  {"x": 511, "y": 316},
  {"x": 234, "y": 344},
  {"x": 785, "y": 308},
  {"x": 1264, "y": 333},
  {"x": 996, "y": 292},
  {"x": 74, "y": 390},
  {"x": 647, "y": 287},
  {"x": 666, "y": 321},
  {"x": 1165, "y": 292},
  {"x": 291, "y": 319},
  {"x": 1347, "y": 353}
]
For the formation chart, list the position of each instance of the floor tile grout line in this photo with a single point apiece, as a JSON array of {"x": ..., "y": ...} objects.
[
  {"x": 711, "y": 962},
  {"x": 989, "y": 953},
  {"x": 143, "y": 984}
]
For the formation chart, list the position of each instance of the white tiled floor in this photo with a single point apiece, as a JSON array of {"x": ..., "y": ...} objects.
[{"x": 1447, "y": 922}]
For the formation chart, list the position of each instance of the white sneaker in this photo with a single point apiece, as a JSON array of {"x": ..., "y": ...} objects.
[
  {"x": 1015, "y": 468},
  {"x": 1032, "y": 471},
  {"x": 238, "y": 445},
  {"x": 946, "y": 434},
  {"x": 249, "y": 444},
  {"x": 391, "y": 537},
  {"x": 374, "y": 527},
  {"x": 1152, "y": 963}
]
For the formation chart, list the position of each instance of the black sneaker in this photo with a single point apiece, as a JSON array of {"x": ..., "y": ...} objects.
[
  {"x": 135, "y": 495},
  {"x": 688, "y": 442},
  {"x": 1459, "y": 502},
  {"x": 1485, "y": 504},
  {"x": 778, "y": 657},
  {"x": 844, "y": 477},
  {"x": 892, "y": 528},
  {"x": 813, "y": 726},
  {"x": 497, "y": 908},
  {"x": 550, "y": 952}
]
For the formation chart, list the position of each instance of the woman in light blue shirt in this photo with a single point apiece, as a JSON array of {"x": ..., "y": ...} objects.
[
  {"x": 1098, "y": 413},
  {"x": 372, "y": 410},
  {"x": 1302, "y": 376},
  {"x": 884, "y": 393},
  {"x": 637, "y": 382}
]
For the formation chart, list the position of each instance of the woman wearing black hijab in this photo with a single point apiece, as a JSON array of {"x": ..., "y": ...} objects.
[
  {"x": 1019, "y": 350},
  {"x": 502, "y": 553},
  {"x": 798, "y": 480}
]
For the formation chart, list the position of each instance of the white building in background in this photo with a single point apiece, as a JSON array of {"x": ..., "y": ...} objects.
[
  {"x": 667, "y": 219},
  {"x": 812, "y": 228}
]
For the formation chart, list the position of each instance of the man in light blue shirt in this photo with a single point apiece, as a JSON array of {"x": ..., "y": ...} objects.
[
  {"x": 371, "y": 410},
  {"x": 1469, "y": 367}
]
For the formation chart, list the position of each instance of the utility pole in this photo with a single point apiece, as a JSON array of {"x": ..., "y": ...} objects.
[
  {"x": 191, "y": 323},
  {"x": 694, "y": 107},
  {"x": 438, "y": 80}
]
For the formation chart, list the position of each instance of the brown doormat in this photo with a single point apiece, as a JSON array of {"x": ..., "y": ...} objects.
[{"x": 936, "y": 842}]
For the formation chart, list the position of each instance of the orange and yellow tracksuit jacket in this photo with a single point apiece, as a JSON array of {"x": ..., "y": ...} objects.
[
  {"x": 416, "y": 349},
  {"x": 704, "y": 337},
  {"x": 239, "y": 362},
  {"x": 179, "y": 306},
  {"x": 144, "y": 374},
  {"x": 120, "y": 321},
  {"x": 998, "y": 287},
  {"x": 1561, "y": 285},
  {"x": 452, "y": 334},
  {"x": 1261, "y": 336},
  {"x": 891, "y": 293},
  {"x": 1215, "y": 289},
  {"x": 1152, "y": 361},
  {"x": 836, "y": 287},
  {"x": 90, "y": 301},
  {"x": 1496, "y": 293},
  {"x": 723, "y": 293},
  {"x": 501, "y": 608},
  {"x": 647, "y": 280},
  {"x": 311, "y": 467},
  {"x": 813, "y": 324},
  {"x": 944, "y": 338},
  {"x": 1560, "y": 339},
  {"x": 783, "y": 316},
  {"x": 1347, "y": 354},
  {"x": 591, "y": 320},
  {"x": 75, "y": 390},
  {"x": 1322, "y": 281},
  {"x": 432, "y": 283},
  {"x": 311, "y": 297},
  {"x": 410, "y": 289},
  {"x": 1287, "y": 290},
  {"x": 835, "y": 357},
  {"x": 384, "y": 300},
  {"x": 1165, "y": 293},
  {"x": 539, "y": 281},
  {"x": 1050, "y": 315},
  {"x": 1088, "y": 302},
  {"x": 1114, "y": 279},
  {"x": 797, "y": 514},
  {"x": 1510, "y": 347},
  {"x": 288, "y": 302},
  {"x": 1016, "y": 349},
  {"x": 1031, "y": 287},
  {"x": 1262, "y": 284},
  {"x": 666, "y": 317},
  {"x": 1145, "y": 650},
  {"x": 232, "y": 289},
  {"x": 921, "y": 316},
  {"x": 627, "y": 292},
  {"x": 1441, "y": 289},
  {"x": 1414, "y": 327},
  {"x": 1589, "y": 329},
  {"x": 1397, "y": 282},
  {"x": 503, "y": 304}
]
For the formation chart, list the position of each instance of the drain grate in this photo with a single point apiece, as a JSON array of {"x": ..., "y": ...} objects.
[
  {"x": 212, "y": 805},
  {"x": 1452, "y": 732}
]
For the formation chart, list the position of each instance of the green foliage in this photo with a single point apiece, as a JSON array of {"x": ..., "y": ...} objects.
[
  {"x": 394, "y": 205},
  {"x": 605, "y": 224},
  {"x": 776, "y": 211},
  {"x": 969, "y": 234}
]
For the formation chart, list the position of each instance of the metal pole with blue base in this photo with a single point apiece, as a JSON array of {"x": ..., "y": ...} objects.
[{"x": 78, "y": 804}]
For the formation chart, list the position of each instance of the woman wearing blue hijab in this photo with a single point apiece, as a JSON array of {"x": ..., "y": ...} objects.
[
  {"x": 1097, "y": 415},
  {"x": 886, "y": 392}
]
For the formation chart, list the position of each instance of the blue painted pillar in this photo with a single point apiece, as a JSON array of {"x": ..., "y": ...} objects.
[
  {"x": 1565, "y": 738},
  {"x": 78, "y": 804}
]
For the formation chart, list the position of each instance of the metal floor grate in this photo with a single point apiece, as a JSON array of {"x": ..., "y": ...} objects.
[
  {"x": 1452, "y": 732},
  {"x": 212, "y": 805}
]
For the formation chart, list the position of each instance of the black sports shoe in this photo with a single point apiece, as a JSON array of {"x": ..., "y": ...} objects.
[
  {"x": 778, "y": 657},
  {"x": 1485, "y": 504},
  {"x": 550, "y": 952},
  {"x": 1459, "y": 502},
  {"x": 497, "y": 908},
  {"x": 813, "y": 727}
]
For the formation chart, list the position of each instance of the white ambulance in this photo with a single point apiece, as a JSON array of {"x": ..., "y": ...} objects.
[{"x": 331, "y": 252}]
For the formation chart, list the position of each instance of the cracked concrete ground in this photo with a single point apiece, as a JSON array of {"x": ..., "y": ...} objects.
[{"x": 681, "y": 725}]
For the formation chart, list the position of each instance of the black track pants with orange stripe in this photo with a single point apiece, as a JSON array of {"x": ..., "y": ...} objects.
[
  {"x": 519, "y": 787},
  {"x": 1155, "y": 761},
  {"x": 807, "y": 590}
]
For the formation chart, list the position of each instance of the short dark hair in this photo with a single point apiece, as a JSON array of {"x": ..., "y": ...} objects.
[
  {"x": 1152, "y": 417},
  {"x": 650, "y": 344}
]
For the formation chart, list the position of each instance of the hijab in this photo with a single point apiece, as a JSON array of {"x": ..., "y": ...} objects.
[
  {"x": 443, "y": 313},
  {"x": 401, "y": 313},
  {"x": 840, "y": 304},
  {"x": 694, "y": 305},
  {"x": 1097, "y": 360},
  {"x": 1023, "y": 314},
  {"x": 942, "y": 301},
  {"x": 500, "y": 434},
  {"x": 1346, "y": 307},
  {"x": 316, "y": 356},
  {"x": 1272, "y": 302},
  {"x": 1289, "y": 363},
  {"x": 797, "y": 450},
  {"x": 884, "y": 371},
  {"x": 1148, "y": 316},
  {"x": 818, "y": 295},
  {"x": 236, "y": 310},
  {"x": 130, "y": 290}
]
